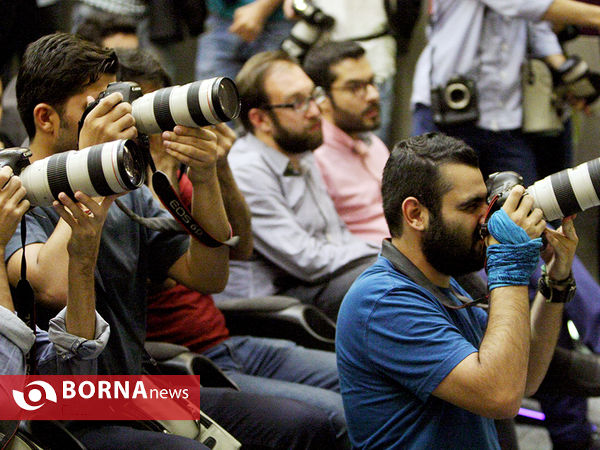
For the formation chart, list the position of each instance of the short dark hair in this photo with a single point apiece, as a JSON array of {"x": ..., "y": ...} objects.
[
  {"x": 56, "y": 67},
  {"x": 319, "y": 60},
  {"x": 142, "y": 67},
  {"x": 250, "y": 81},
  {"x": 103, "y": 24},
  {"x": 413, "y": 170}
]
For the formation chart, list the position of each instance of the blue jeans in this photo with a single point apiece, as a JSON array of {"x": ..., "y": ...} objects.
[
  {"x": 281, "y": 368},
  {"x": 531, "y": 156},
  {"x": 222, "y": 53}
]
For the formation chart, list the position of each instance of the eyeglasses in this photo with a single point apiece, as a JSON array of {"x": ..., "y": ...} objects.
[
  {"x": 356, "y": 87},
  {"x": 301, "y": 106}
]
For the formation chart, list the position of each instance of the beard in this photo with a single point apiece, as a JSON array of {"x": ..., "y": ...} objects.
[
  {"x": 351, "y": 122},
  {"x": 450, "y": 250},
  {"x": 297, "y": 142}
]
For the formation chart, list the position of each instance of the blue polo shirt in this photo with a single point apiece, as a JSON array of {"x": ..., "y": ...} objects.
[{"x": 395, "y": 343}]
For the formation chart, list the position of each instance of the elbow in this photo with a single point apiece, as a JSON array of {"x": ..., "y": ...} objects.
[
  {"x": 215, "y": 283},
  {"x": 54, "y": 298},
  {"x": 504, "y": 405}
]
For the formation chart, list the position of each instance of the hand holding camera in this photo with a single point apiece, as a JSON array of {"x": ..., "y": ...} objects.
[
  {"x": 86, "y": 218},
  {"x": 194, "y": 147},
  {"x": 110, "y": 119},
  {"x": 13, "y": 204},
  {"x": 519, "y": 208}
]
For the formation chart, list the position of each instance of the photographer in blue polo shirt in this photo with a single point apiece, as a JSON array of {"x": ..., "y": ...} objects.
[{"x": 415, "y": 370}]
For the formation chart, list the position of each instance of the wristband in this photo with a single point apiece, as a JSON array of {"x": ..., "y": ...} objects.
[
  {"x": 513, "y": 260},
  {"x": 512, "y": 264}
]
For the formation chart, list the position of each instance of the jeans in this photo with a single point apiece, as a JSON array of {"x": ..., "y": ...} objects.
[
  {"x": 281, "y": 368},
  {"x": 531, "y": 156},
  {"x": 258, "y": 422},
  {"x": 222, "y": 53}
]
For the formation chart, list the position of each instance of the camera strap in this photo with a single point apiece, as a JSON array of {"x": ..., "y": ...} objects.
[
  {"x": 26, "y": 301},
  {"x": 403, "y": 265},
  {"x": 182, "y": 221}
]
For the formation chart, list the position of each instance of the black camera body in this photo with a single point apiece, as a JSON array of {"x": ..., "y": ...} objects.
[
  {"x": 455, "y": 103},
  {"x": 16, "y": 158},
  {"x": 500, "y": 184},
  {"x": 128, "y": 89}
]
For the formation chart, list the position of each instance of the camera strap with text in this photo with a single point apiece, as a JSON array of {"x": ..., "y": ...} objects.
[{"x": 182, "y": 221}]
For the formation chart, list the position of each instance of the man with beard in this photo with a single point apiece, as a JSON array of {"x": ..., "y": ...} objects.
[
  {"x": 301, "y": 247},
  {"x": 352, "y": 157},
  {"x": 415, "y": 370}
]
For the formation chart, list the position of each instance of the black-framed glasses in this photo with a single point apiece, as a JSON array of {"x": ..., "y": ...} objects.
[
  {"x": 356, "y": 87},
  {"x": 301, "y": 105}
]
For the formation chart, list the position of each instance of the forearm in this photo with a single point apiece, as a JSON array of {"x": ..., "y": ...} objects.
[
  {"x": 573, "y": 12},
  {"x": 81, "y": 299},
  {"x": 237, "y": 211},
  {"x": 504, "y": 350},
  {"x": 546, "y": 320},
  {"x": 208, "y": 268}
]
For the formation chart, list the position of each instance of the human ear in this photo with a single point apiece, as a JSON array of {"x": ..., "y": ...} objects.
[
  {"x": 260, "y": 120},
  {"x": 46, "y": 118},
  {"x": 415, "y": 214}
]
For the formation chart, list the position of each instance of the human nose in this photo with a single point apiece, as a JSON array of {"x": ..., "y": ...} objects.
[
  {"x": 371, "y": 93},
  {"x": 312, "y": 109}
]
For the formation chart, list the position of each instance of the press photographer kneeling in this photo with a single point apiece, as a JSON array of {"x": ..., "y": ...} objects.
[{"x": 419, "y": 368}]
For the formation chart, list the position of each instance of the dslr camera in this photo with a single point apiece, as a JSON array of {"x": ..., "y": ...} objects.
[
  {"x": 99, "y": 170},
  {"x": 455, "y": 103},
  {"x": 197, "y": 104},
  {"x": 558, "y": 195},
  {"x": 313, "y": 22}
]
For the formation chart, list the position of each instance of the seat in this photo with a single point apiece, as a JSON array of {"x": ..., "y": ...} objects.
[
  {"x": 173, "y": 359},
  {"x": 279, "y": 317}
]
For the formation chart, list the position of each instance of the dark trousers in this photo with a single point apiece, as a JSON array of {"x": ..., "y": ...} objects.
[{"x": 258, "y": 422}]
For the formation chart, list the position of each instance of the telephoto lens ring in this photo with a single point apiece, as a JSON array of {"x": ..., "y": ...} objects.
[
  {"x": 569, "y": 191},
  {"x": 100, "y": 170},
  {"x": 197, "y": 104}
]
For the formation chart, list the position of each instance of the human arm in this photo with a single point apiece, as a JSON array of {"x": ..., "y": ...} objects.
[
  {"x": 85, "y": 219},
  {"x": 546, "y": 318},
  {"x": 249, "y": 20},
  {"x": 573, "y": 12},
  {"x": 201, "y": 268},
  {"x": 236, "y": 208},
  {"x": 493, "y": 381}
]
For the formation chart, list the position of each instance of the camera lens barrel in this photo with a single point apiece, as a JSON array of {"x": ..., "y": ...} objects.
[
  {"x": 196, "y": 104},
  {"x": 100, "y": 170},
  {"x": 569, "y": 191}
]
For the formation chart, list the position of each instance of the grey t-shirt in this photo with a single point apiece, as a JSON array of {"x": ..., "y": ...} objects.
[{"x": 129, "y": 255}]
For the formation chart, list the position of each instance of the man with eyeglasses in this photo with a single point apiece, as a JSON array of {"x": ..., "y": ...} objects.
[
  {"x": 301, "y": 246},
  {"x": 352, "y": 157}
]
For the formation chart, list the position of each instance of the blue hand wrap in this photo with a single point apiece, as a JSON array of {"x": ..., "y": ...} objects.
[{"x": 511, "y": 262}]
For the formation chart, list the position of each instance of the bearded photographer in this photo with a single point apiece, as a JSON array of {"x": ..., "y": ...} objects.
[{"x": 415, "y": 371}]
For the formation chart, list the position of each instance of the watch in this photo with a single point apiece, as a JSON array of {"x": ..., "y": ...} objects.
[{"x": 547, "y": 285}]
